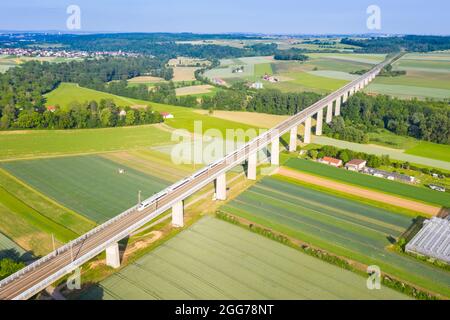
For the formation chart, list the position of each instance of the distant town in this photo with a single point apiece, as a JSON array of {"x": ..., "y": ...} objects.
[{"x": 53, "y": 53}]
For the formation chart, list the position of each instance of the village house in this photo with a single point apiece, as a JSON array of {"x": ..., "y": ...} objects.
[
  {"x": 51, "y": 108},
  {"x": 356, "y": 165}
]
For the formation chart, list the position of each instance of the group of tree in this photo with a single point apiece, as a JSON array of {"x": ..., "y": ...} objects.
[
  {"x": 424, "y": 120},
  {"x": 77, "y": 116},
  {"x": 411, "y": 43}
]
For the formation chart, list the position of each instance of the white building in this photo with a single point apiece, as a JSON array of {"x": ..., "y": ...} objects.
[{"x": 433, "y": 240}]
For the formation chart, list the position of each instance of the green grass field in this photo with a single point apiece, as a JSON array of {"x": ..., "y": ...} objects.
[
  {"x": 40, "y": 143},
  {"x": 216, "y": 260},
  {"x": 347, "y": 228},
  {"x": 370, "y": 182},
  {"x": 263, "y": 69},
  {"x": 89, "y": 185},
  {"x": 44, "y": 143}
]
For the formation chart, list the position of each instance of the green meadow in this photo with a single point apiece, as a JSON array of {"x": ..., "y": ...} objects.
[
  {"x": 89, "y": 185},
  {"x": 43, "y": 143},
  {"x": 363, "y": 180}
]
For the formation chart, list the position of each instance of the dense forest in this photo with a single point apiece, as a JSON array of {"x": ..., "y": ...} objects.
[
  {"x": 424, "y": 120},
  {"x": 396, "y": 44}
]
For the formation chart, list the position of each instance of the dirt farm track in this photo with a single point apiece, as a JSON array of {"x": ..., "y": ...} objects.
[{"x": 361, "y": 192}]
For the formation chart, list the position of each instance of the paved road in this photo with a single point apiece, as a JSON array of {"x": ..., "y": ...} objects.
[{"x": 38, "y": 277}]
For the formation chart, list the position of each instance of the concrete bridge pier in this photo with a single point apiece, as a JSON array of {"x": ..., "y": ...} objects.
[
  {"x": 178, "y": 215},
  {"x": 113, "y": 256},
  {"x": 345, "y": 97},
  {"x": 319, "y": 122},
  {"x": 329, "y": 116},
  {"x": 251, "y": 166},
  {"x": 221, "y": 187},
  {"x": 275, "y": 152},
  {"x": 293, "y": 139},
  {"x": 337, "y": 112},
  {"x": 307, "y": 136}
]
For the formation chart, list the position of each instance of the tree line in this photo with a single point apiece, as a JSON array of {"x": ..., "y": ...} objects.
[{"x": 78, "y": 116}]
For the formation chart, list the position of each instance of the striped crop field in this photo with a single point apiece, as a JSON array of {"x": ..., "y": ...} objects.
[
  {"x": 89, "y": 185},
  {"x": 350, "y": 229},
  {"x": 370, "y": 182},
  {"x": 217, "y": 260}
]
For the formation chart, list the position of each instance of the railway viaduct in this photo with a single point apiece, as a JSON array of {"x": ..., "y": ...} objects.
[{"x": 45, "y": 271}]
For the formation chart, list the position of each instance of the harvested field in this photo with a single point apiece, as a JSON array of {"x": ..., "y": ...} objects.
[{"x": 145, "y": 79}]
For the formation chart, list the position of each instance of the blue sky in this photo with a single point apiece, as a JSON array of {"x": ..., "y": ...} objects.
[{"x": 218, "y": 16}]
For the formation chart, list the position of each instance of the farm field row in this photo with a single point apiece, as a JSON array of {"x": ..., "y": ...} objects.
[
  {"x": 89, "y": 185},
  {"x": 216, "y": 260},
  {"x": 350, "y": 229},
  {"x": 370, "y": 182}
]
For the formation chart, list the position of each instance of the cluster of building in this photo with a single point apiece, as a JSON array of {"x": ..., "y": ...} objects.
[
  {"x": 359, "y": 165},
  {"x": 257, "y": 85},
  {"x": 433, "y": 240},
  {"x": 50, "y": 53}
]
